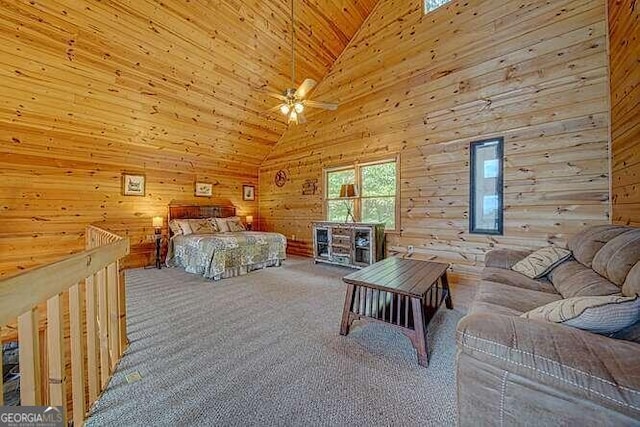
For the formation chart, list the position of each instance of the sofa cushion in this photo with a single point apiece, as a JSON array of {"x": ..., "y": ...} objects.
[
  {"x": 631, "y": 284},
  {"x": 586, "y": 244},
  {"x": 618, "y": 256},
  {"x": 541, "y": 262},
  {"x": 506, "y": 299},
  {"x": 601, "y": 314},
  {"x": 573, "y": 279},
  {"x": 513, "y": 278},
  {"x": 575, "y": 368}
]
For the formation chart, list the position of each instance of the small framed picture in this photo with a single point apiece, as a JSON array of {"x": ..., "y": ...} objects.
[
  {"x": 248, "y": 192},
  {"x": 133, "y": 185},
  {"x": 203, "y": 189}
]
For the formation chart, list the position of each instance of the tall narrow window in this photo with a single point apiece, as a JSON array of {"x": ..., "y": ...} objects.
[
  {"x": 376, "y": 197},
  {"x": 486, "y": 187}
]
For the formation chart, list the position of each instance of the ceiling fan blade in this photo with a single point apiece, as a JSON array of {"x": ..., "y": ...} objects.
[
  {"x": 324, "y": 105},
  {"x": 277, "y": 96},
  {"x": 305, "y": 88},
  {"x": 301, "y": 118}
]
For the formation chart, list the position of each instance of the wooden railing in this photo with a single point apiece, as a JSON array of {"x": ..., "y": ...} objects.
[{"x": 93, "y": 285}]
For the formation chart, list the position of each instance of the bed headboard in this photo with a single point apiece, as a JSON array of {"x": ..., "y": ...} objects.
[{"x": 178, "y": 211}]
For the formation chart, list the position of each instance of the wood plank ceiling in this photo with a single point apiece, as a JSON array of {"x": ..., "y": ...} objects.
[{"x": 192, "y": 74}]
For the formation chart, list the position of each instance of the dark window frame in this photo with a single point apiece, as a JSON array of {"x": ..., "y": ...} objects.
[{"x": 473, "y": 147}]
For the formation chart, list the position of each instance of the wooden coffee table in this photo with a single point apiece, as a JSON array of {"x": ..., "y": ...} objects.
[{"x": 400, "y": 292}]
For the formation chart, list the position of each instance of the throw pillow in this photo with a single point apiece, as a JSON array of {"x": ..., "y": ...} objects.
[
  {"x": 541, "y": 262},
  {"x": 235, "y": 224},
  {"x": 601, "y": 314},
  {"x": 630, "y": 333},
  {"x": 201, "y": 226},
  {"x": 184, "y": 226},
  {"x": 214, "y": 225},
  {"x": 222, "y": 224},
  {"x": 175, "y": 227}
]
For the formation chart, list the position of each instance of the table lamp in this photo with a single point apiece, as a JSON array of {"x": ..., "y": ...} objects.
[
  {"x": 157, "y": 224},
  {"x": 249, "y": 220},
  {"x": 348, "y": 191}
]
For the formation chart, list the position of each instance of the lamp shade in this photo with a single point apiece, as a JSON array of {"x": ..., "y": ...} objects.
[
  {"x": 157, "y": 222},
  {"x": 249, "y": 219},
  {"x": 347, "y": 190}
]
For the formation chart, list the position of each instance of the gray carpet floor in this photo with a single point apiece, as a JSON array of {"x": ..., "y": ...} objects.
[{"x": 264, "y": 349}]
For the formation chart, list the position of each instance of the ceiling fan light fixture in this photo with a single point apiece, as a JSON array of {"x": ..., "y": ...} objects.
[
  {"x": 284, "y": 109},
  {"x": 299, "y": 107},
  {"x": 293, "y": 117}
]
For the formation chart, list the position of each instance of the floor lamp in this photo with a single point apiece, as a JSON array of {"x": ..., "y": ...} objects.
[
  {"x": 157, "y": 224},
  {"x": 348, "y": 191}
]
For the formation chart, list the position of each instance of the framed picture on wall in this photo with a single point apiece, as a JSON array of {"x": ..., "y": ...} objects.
[
  {"x": 204, "y": 189},
  {"x": 248, "y": 192},
  {"x": 133, "y": 184}
]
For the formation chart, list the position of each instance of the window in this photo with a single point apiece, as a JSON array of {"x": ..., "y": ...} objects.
[
  {"x": 376, "y": 193},
  {"x": 486, "y": 187},
  {"x": 430, "y": 5}
]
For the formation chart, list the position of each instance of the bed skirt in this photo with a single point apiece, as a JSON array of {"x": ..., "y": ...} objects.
[{"x": 242, "y": 270}]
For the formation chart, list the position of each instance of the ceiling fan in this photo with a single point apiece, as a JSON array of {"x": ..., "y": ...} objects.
[{"x": 293, "y": 100}]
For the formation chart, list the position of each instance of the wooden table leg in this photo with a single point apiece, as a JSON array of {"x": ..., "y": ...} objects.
[
  {"x": 445, "y": 285},
  {"x": 346, "y": 311},
  {"x": 420, "y": 341}
]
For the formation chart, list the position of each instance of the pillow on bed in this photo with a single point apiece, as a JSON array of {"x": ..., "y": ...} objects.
[
  {"x": 175, "y": 227},
  {"x": 235, "y": 224},
  {"x": 185, "y": 228},
  {"x": 232, "y": 223},
  {"x": 222, "y": 224},
  {"x": 201, "y": 226},
  {"x": 214, "y": 224}
]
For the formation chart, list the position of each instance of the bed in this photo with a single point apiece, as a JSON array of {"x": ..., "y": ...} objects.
[{"x": 215, "y": 252}]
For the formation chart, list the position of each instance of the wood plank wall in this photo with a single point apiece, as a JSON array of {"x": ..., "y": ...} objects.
[
  {"x": 175, "y": 91},
  {"x": 624, "y": 46},
  {"x": 425, "y": 87}
]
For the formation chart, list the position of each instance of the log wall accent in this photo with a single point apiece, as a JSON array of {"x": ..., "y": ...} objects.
[
  {"x": 175, "y": 90},
  {"x": 425, "y": 86},
  {"x": 624, "y": 47}
]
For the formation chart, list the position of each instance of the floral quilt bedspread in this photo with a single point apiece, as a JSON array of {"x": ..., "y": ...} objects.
[{"x": 223, "y": 255}]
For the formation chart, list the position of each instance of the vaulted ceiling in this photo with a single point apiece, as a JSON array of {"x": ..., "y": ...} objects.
[{"x": 184, "y": 77}]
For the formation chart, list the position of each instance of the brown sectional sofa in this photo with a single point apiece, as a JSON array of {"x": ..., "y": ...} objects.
[{"x": 516, "y": 371}]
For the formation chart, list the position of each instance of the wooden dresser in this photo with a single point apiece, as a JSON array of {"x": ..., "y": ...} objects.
[{"x": 352, "y": 244}]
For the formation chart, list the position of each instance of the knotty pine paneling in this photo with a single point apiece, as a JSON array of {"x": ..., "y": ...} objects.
[
  {"x": 425, "y": 86},
  {"x": 47, "y": 203},
  {"x": 175, "y": 90},
  {"x": 624, "y": 46}
]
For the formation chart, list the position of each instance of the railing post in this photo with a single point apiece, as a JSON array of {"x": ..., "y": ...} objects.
[
  {"x": 112, "y": 293},
  {"x": 92, "y": 337},
  {"x": 122, "y": 311},
  {"x": 77, "y": 355},
  {"x": 29, "y": 359},
  {"x": 103, "y": 328},
  {"x": 55, "y": 338}
]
